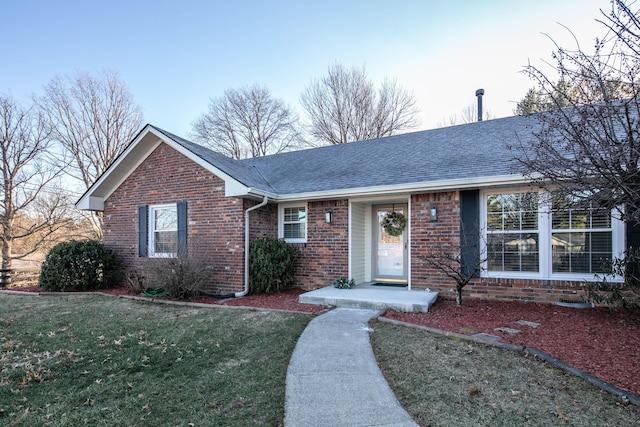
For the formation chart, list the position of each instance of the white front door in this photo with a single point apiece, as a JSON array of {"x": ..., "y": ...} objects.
[{"x": 389, "y": 252}]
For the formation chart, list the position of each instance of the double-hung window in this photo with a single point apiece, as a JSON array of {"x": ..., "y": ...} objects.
[
  {"x": 513, "y": 237},
  {"x": 163, "y": 230},
  {"x": 543, "y": 235},
  {"x": 581, "y": 238},
  {"x": 292, "y": 225}
]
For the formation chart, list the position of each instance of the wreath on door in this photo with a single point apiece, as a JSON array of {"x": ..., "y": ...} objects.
[{"x": 394, "y": 223}]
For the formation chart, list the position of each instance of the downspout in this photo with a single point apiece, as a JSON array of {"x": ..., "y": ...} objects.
[{"x": 246, "y": 247}]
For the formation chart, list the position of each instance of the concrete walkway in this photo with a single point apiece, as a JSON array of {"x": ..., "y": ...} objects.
[{"x": 333, "y": 378}]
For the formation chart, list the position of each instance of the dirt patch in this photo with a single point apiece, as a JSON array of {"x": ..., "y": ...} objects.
[{"x": 605, "y": 344}]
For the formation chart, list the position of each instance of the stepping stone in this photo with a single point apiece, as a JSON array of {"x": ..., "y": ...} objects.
[
  {"x": 486, "y": 337},
  {"x": 527, "y": 323},
  {"x": 510, "y": 331}
]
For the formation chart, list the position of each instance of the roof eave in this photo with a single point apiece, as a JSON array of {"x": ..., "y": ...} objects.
[{"x": 431, "y": 186}]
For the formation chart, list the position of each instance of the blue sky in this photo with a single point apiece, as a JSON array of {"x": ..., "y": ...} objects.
[{"x": 175, "y": 55}]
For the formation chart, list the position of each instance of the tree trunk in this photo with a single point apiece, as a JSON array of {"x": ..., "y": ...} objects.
[
  {"x": 458, "y": 296},
  {"x": 6, "y": 272}
]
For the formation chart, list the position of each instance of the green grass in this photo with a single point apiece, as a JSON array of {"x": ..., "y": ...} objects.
[
  {"x": 99, "y": 361},
  {"x": 444, "y": 381}
]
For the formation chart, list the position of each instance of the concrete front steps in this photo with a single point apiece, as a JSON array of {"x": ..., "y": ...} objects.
[{"x": 372, "y": 298}]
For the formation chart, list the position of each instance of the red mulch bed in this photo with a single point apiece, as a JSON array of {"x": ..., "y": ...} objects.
[{"x": 605, "y": 344}]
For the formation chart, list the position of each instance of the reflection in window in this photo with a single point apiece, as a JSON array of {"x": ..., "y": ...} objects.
[
  {"x": 581, "y": 237},
  {"x": 512, "y": 232},
  {"x": 164, "y": 230},
  {"x": 295, "y": 223}
]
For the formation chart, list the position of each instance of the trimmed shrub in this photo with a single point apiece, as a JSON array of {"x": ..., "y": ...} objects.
[
  {"x": 78, "y": 266},
  {"x": 271, "y": 265}
]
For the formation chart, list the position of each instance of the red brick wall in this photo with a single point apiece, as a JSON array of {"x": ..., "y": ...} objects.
[
  {"x": 325, "y": 256},
  {"x": 215, "y": 222},
  {"x": 263, "y": 222},
  {"x": 425, "y": 234},
  {"x": 446, "y": 231},
  {"x": 216, "y": 230}
]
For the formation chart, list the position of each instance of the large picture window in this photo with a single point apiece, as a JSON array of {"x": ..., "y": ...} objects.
[
  {"x": 293, "y": 223},
  {"x": 535, "y": 234}
]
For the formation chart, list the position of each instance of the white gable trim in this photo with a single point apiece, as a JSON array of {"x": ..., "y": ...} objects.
[{"x": 133, "y": 156}]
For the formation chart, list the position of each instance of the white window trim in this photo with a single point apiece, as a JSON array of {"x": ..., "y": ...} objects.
[
  {"x": 544, "y": 230},
  {"x": 151, "y": 230},
  {"x": 281, "y": 209}
]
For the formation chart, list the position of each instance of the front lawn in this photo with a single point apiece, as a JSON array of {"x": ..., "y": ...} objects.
[
  {"x": 444, "y": 381},
  {"x": 99, "y": 361}
]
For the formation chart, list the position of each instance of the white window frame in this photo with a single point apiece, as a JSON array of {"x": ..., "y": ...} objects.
[
  {"x": 544, "y": 239},
  {"x": 151, "y": 230},
  {"x": 281, "y": 222}
]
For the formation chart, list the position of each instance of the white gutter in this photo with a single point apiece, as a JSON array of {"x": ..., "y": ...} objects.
[{"x": 246, "y": 247}]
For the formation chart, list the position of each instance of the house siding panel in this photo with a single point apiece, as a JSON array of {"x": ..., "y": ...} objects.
[
  {"x": 214, "y": 222},
  {"x": 358, "y": 252}
]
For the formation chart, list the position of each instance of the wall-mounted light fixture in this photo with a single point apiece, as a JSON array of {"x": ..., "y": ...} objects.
[
  {"x": 327, "y": 216},
  {"x": 433, "y": 216}
]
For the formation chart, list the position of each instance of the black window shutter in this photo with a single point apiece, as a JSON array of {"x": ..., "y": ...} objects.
[
  {"x": 143, "y": 230},
  {"x": 470, "y": 231},
  {"x": 182, "y": 228},
  {"x": 633, "y": 235}
]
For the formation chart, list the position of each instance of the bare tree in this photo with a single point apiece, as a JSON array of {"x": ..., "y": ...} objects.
[
  {"x": 460, "y": 261},
  {"x": 467, "y": 115},
  {"x": 588, "y": 146},
  {"x": 344, "y": 106},
  {"x": 248, "y": 122},
  {"x": 30, "y": 207},
  {"x": 93, "y": 118}
]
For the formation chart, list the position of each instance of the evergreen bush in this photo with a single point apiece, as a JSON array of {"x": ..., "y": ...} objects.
[
  {"x": 271, "y": 265},
  {"x": 78, "y": 266}
]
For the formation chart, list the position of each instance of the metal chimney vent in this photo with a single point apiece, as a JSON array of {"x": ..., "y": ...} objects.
[{"x": 479, "y": 94}]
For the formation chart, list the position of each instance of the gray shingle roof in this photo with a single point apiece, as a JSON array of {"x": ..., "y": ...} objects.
[{"x": 471, "y": 151}]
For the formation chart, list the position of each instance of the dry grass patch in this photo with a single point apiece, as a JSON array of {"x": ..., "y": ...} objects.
[
  {"x": 443, "y": 381},
  {"x": 92, "y": 360}
]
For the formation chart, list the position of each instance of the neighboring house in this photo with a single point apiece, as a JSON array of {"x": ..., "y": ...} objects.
[{"x": 164, "y": 193}]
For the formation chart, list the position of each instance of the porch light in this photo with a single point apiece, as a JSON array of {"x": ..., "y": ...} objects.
[
  {"x": 434, "y": 214},
  {"x": 327, "y": 216}
]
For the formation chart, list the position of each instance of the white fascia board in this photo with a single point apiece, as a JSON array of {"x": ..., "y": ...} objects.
[
  {"x": 386, "y": 190},
  {"x": 92, "y": 201}
]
